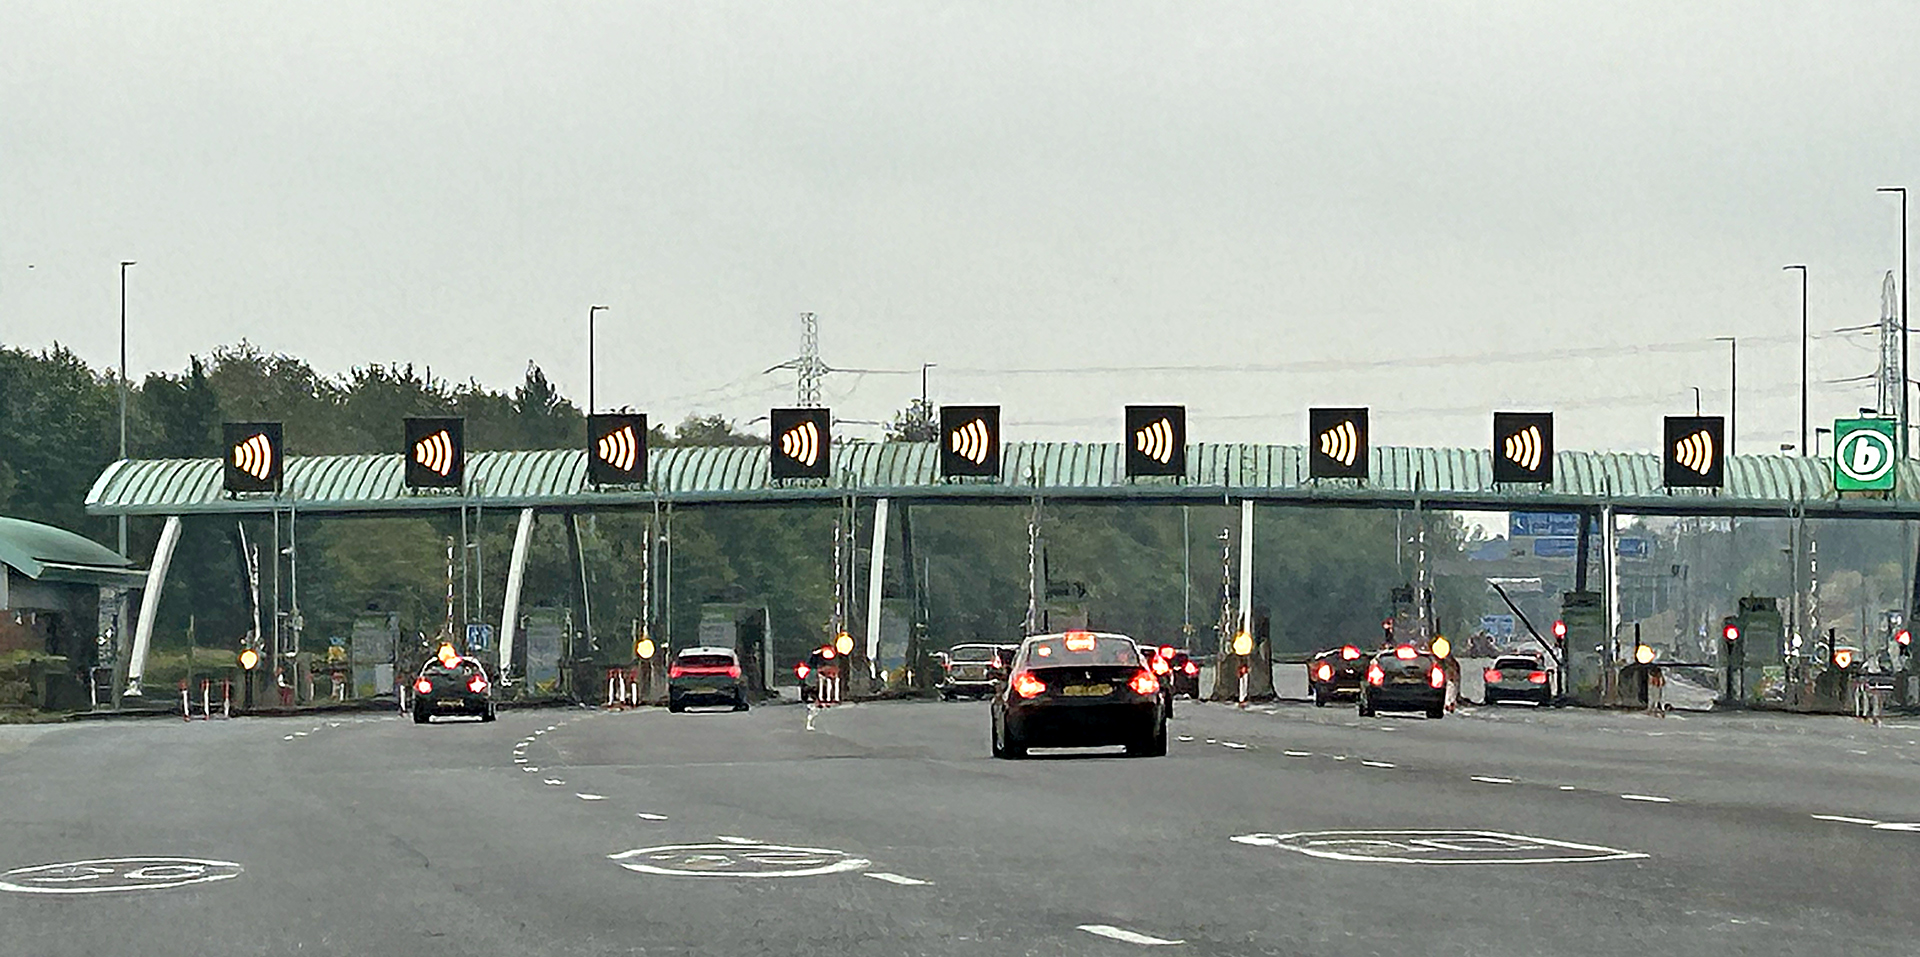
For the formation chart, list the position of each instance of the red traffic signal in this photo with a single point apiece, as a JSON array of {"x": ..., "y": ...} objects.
[
  {"x": 1904, "y": 638},
  {"x": 1732, "y": 632},
  {"x": 1559, "y": 629}
]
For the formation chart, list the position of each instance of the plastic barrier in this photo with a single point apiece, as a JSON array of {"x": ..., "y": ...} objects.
[{"x": 206, "y": 700}]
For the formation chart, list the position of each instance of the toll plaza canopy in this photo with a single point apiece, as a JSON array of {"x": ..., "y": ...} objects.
[{"x": 1073, "y": 471}]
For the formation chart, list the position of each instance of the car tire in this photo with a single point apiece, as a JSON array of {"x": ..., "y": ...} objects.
[
  {"x": 674, "y": 706},
  {"x": 419, "y": 716},
  {"x": 1436, "y": 712},
  {"x": 489, "y": 714},
  {"x": 1366, "y": 709},
  {"x": 993, "y": 740},
  {"x": 1319, "y": 700},
  {"x": 1490, "y": 699},
  {"x": 1012, "y": 746},
  {"x": 740, "y": 704},
  {"x": 1169, "y": 707},
  {"x": 1154, "y": 745}
]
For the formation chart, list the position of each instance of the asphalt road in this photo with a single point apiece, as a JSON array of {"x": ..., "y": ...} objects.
[{"x": 1677, "y": 836}]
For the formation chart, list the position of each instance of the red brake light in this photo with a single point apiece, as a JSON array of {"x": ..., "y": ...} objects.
[
  {"x": 476, "y": 684},
  {"x": 1349, "y": 652},
  {"x": 828, "y": 652},
  {"x": 1493, "y": 676},
  {"x": 676, "y": 671},
  {"x": 1144, "y": 683},
  {"x": 1166, "y": 651},
  {"x": 733, "y": 671},
  {"x": 1026, "y": 685},
  {"x": 1406, "y": 653},
  {"x": 802, "y": 671},
  {"x": 423, "y": 686},
  {"x": 1192, "y": 668},
  {"x": 1160, "y": 666},
  {"x": 1324, "y": 672},
  {"x": 1538, "y": 677},
  {"x": 1375, "y": 676},
  {"x": 1437, "y": 677},
  {"x": 1079, "y": 641}
]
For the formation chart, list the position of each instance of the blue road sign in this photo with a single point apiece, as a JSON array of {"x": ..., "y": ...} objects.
[
  {"x": 1633, "y": 548},
  {"x": 479, "y": 637},
  {"x": 1544, "y": 523},
  {"x": 1556, "y": 547}
]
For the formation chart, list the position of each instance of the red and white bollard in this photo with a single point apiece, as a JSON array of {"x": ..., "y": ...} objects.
[{"x": 186, "y": 712}]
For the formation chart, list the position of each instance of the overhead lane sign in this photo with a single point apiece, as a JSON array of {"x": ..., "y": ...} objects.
[
  {"x": 1864, "y": 455},
  {"x": 1523, "y": 447}
]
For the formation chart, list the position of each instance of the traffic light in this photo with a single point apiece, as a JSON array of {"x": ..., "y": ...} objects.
[
  {"x": 249, "y": 658},
  {"x": 970, "y": 440},
  {"x": 1904, "y": 638},
  {"x": 1695, "y": 452},
  {"x": 802, "y": 440},
  {"x": 843, "y": 643},
  {"x": 1730, "y": 631},
  {"x": 617, "y": 448},
  {"x": 253, "y": 462},
  {"x": 436, "y": 453},
  {"x": 1560, "y": 630},
  {"x": 1337, "y": 443},
  {"x": 1156, "y": 440},
  {"x": 1523, "y": 447}
]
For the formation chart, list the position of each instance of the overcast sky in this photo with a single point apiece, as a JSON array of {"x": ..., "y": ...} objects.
[{"x": 1432, "y": 209}]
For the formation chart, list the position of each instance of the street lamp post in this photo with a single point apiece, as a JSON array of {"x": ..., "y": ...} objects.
[
  {"x": 1733, "y": 394},
  {"x": 123, "y": 385},
  {"x": 1803, "y": 355},
  {"x": 591, "y": 310},
  {"x": 1905, "y": 410}
]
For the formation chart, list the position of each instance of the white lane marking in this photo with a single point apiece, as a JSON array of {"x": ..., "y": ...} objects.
[
  {"x": 1237, "y": 746},
  {"x": 300, "y": 734},
  {"x": 1491, "y": 780},
  {"x": 1568, "y": 787},
  {"x": 551, "y": 727},
  {"x": 1843, "y": 819},
  {"x": 1116, "y": 933},
  {"x": 1852, "y": 751},
  {"x": 519, "y": 760},
  {"x": 333, "y": 724},
  {"x": 108, "y": 874},
  {"x": 1377, "y": 764},
  {"x": 1436, "y": 847},
  {"x": 287, "y": 738},
  {"x": 531, "y": 770},
  {"x": 1213, "y": 741},
  {"x": 1186, "y": 737},
  {"x": 1339, "y": 757},
  {"x": 543, "y": 732},
  {"x": 554, "y": 782},
  {"x": 1298, "y": 754},
  {"x": 1897, "y": 826},
  {"x": 1649, "y": 798},
  {"x": 730, "y": 839},
  {"x": 897, "y": 879},
  {"x": 590, "y": 797},
  {"x": 645, "y": 816}
]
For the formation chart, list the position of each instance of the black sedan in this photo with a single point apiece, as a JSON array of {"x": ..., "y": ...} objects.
[
  {"x": 1079, "y": 689},
  {"x": 452, "y": 686},
  {"x": 1405, "y": 678},
  {"x": 1337, "y": 673}
]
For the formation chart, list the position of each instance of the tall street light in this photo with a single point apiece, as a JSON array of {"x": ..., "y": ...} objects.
[
  {"x": 1733, "y": 389},
  {"x": 591, "y": 310},
  {"x": 123, "y": 385},
  {"x": 1904, "y": 390},
  {"x": 1803, "y": 355}
]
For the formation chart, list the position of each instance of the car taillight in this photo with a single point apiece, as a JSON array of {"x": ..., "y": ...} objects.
[
  {"x": 733, "y": 671},
  {"x": 476, "y": 684},
  {"x": 1349, "y": 652},
  {"x": 801, "y": 671},
  {"x": 1026, "y": 685},
  {"x": 675, "y": 671},
  {"x": 1406, "y": 653},
  {"x": 1160, "y": 666},
  {"x": 423, "y": 686},
  {"x": 1144, "y": 683},
  {"x": 1437, "y": 677},
  {"x": 1374, "y": 675},
  {"x": 1192, "y": 668},
  {"x": 1166, "y": 651},
  {"x": 1324, "y": 672},
  {"x": 1493, "y": 676},
  {"x": 1538, "y": 677}
]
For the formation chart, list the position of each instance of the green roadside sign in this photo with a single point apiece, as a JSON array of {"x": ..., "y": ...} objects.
[{"x": 1863, "y": 455}]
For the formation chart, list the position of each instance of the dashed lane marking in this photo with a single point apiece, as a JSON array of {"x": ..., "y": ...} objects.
[
  {"x": 1491, "y": 780},
  {"x": 1298, "y": 754},
  {"x": 1843, "y": 819},
  {"x": 1117, "y": 933},
  {"x": 646, "y": 816},
  {"x": 897, "y": 879},
  {"x": 519, "y": 760},
  {"x": 730, "y": 839},
  {"x": 1185, "y": 737},
  {"x": 1897, "y": 826},
  {"x": 287, "y": 738},
  {"x": 554, "y": 782},
  {"x": 531, "y": 770},
  {"x": 590, "y": 797},
  {"x": 1377, "y": 764},
  {"x": 1237, "y": 746},
  {"x": 1568, "y": 787},
  {"x": 1649, "y": 798}
]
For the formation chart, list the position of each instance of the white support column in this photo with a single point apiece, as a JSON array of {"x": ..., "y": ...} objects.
[
  {"x": 516, "y": 572},
  {"x": 1246, "y": 566},
  {"x": 875, "y": 576},
  {"x": 150, "y": 602}
]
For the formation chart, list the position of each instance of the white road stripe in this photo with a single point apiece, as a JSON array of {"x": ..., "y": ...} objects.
[
  {"x": 1568, "y": 787},
  {"x": 531, "y": 770},
  {"x": 1298, "y": 754},
  {"x": 555, "y": 782},
  {"x": 1488, "y": 780},
  {"x": 643, "y": 815},
  {"x": 1897, "y": 826},
  {"x": 1651, "y": 798},
  {"x": 897, "y": 879},
  {"x": 287, "y": 738},
  {"x": 1377, "y": 764},
  {"x": 1115, "y": 933},
  {"x": 1234, "y": 745},
  {"x": 1186, "y": 737},
  {"x": 590, "y": 797},
  {"x": 519, "y": 760},
  {"x": 1843, "y": 819},
  {"x": 730, "y": 839},
  {"x": 1339, "y": 757}
]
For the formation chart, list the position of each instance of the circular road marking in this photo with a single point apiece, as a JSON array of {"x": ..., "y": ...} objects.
[
  {"x": 737, "y": 860},
  {"x": 1436, "y": 847},
  {"x": 106, "y": 874}
]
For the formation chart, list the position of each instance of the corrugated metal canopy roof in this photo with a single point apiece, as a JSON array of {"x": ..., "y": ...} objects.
[
  {"x": 556, "y": 478},
  {"x": 46, "y": 553}
]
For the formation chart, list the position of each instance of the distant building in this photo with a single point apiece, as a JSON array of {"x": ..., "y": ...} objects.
[{"x": 50, "y": 590}]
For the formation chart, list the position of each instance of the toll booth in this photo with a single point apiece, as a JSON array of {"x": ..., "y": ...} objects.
[
  {"x": 1754, "y": 658},
  {"x": 1584, "y": 677},
  {"x": 742, "y": 627},
  {"x": 374, "y": 639}
]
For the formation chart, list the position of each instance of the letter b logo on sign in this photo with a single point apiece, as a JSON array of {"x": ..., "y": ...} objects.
[{"x": 1864, "y": 455}]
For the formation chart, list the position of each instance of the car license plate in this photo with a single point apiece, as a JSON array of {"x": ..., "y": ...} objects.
[{"x": 1085, "y": 691}]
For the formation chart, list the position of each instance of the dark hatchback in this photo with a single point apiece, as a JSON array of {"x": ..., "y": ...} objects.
[
  {"x": 452, "y": 686},
  {"x": 1404, "y": 679},
  {"x": 1337, "y": 673},
  {"x": 1079, "y": 690},
  {"x": 705, "y": 676}
]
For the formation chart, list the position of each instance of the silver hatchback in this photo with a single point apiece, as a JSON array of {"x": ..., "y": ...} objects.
[{"x": 1518, "y": 678}]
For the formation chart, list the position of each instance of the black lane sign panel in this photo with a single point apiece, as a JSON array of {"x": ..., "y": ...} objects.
[
  {"x": 1694, "y": 454},
  {"x": 970, "y": 440},
  {"x": 617, "y": 448},
  {"x": 1156, "y": 440},
  {"x": 254, "y": 462},
  {"x": 1337, "y": 443},
  {"x": 1523, "y": 446},
  {"x": 436, "y": 453},
  {"x": 801, "y": 441}
]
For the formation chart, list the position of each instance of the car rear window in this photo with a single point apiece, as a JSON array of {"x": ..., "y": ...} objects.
[
  {"x": 1072, "y": 650},
  {"x": 972, "y": 653},
  {"x": 1517, "y": 664},
  {"x": 706, "y": 661}
]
